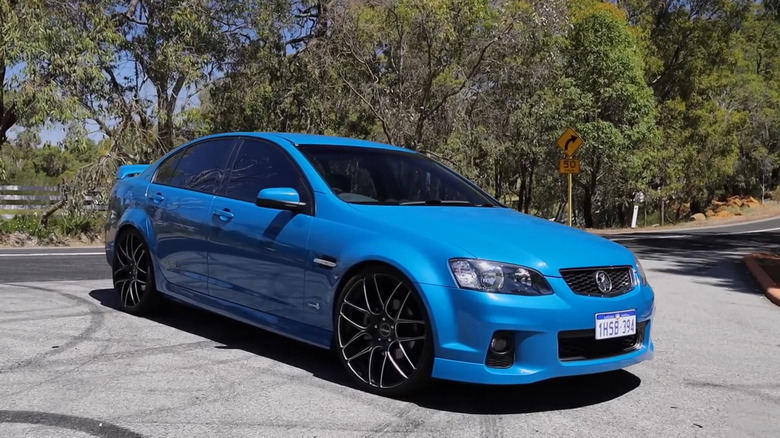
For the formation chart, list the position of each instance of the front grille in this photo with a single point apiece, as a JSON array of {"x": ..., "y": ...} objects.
[
  {"x": 584, "y": 281},
  {"x": 583, "y": 345}
]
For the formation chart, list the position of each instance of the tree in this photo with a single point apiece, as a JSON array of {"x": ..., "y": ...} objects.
[
  {"x": 27, "y": 97},
  {"x": 279, "y": 82},
  {"x": 606, "y": 66},
  {"x": 145, "y": 60},
  {"x": 503, "y": 129},
  {"x": 405, "y": 59},
  {"x": 675, "y": 98}
]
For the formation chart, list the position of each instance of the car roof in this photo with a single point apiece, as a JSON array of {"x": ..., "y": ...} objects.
[{"x": 299, "y": 139}]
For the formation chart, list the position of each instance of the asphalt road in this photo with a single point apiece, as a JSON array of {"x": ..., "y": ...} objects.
[
  {"x": 71, "y": 365},
  {"x": 53, "y": 264}
]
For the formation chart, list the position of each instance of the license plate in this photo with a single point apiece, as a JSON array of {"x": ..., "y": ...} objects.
[{"x": 615, "y": 324}]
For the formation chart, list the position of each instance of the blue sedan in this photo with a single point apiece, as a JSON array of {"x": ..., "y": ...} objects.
[{"x": 400, "y": 265}]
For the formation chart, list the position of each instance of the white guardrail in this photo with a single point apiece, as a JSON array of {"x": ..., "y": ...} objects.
[{"x": 17, "y": 200}]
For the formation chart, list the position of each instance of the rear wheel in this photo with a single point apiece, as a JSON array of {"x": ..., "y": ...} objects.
[
  {"x": 383, "y": 334},
  {"x": 133, "y": 274}
]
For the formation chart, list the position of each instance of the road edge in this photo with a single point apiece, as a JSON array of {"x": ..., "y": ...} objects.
[
  {"x": 771, "y": 289},
  {"x": 682, "y": 227}
]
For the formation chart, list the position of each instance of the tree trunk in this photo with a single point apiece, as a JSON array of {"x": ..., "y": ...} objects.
[
  {"x": 559, "y": 212},
  {"x": 166, "y": 107},
  {"x": 7, "y": 115},
  {"x": 696, "y": 207},
  {"x": 590, "y": 190},
  {"x": 678, "y": 212},
  {"x": 621, "y": 214},
  {"x": 497, "y": 184},
  {"x": 521, "y": 192},
  {"x": 529, "y": 189},
  {"x": 587, "y": 207},
  {"x": 48, "y": 213},
  {"x": 165, "y": 124}
]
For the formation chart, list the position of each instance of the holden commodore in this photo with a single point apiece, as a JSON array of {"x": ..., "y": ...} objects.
[{"x": 403, "y": 267}]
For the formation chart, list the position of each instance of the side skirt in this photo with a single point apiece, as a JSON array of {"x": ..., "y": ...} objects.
[{"x": 282, "y": 326}]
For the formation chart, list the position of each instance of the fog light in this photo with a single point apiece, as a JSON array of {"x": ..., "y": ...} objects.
[
  {"x": 501, "y": 352},
  {"x": 499, "y": 344}
]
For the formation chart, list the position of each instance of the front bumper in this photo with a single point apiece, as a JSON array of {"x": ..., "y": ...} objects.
[{"x": 464, "y": 322}]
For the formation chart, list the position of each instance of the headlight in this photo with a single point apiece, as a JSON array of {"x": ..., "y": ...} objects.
[
  {"x": 498, "y": 277},
  {"x": 641, "y": 273}
]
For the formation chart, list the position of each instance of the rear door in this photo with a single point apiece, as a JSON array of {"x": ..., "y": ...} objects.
[
  {"x": 178, "y": 203},
  {"x": 257, "y": 255}
]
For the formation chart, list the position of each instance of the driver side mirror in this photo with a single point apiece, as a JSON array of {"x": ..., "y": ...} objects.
[{"x": 280, "y": 198}]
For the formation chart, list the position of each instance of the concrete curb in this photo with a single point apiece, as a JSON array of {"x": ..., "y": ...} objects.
[{"x": 771, "y": 289}]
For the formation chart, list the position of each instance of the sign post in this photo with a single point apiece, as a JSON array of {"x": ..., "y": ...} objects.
[{"x": 569, "y": 142}]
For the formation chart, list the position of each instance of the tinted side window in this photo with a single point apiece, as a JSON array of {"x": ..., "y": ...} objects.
[
  {"x": 201, "y": 166},
  {"x": 260, "y": 166},
  {"x": 359, "y": 175},
  {"x": 167, "y": 170}
]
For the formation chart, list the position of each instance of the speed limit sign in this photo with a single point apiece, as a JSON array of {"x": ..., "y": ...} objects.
[{"x": 568, "y": 165}]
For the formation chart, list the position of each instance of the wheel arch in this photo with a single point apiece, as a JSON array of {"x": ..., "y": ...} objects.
[
  {"x": 124, "y": 228},
  {"x": 353, "y": 270},
  {"x": 421, "y": 359},
  {"x": 139, "y": 222},
  {"x": 398, "y": 268}
]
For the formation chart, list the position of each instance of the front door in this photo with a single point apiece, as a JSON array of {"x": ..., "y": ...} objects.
[{"x": 257, "y": 255}]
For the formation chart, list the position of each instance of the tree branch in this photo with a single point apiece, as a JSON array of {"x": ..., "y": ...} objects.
[
  {"x": 370, "y": 106},
  {"x": 131, "y": 9},
  {"x": 175, "y": 94},
  {"x": 474, "y": 68}
]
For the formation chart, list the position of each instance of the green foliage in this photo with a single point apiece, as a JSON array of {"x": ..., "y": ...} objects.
[
  {"x": 617, "y": 107},
  {"x": 74, "y": 225},
  {"x": 62, "y": 226},
  {"x": 27, "y": 224},
  {"x": 26, "y": 163},
  {"x": 678, "y": 99},
  {"x": 404, "y": 60}
]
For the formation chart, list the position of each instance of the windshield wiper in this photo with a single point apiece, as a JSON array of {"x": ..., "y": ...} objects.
[{"x": 437, "y": 202}]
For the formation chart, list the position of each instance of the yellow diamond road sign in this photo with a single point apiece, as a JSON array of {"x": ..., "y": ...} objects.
[{"x": 569, "y": 142}]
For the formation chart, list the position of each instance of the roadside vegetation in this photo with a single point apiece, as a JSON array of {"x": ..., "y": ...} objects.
[{"x": 678, "y": 101}]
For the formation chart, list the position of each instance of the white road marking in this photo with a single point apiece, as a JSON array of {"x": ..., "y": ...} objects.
[
  {"x": 756, "y": 231},
  {"x": 53, "y": 254},
  {"x": 647, "y": 236}
]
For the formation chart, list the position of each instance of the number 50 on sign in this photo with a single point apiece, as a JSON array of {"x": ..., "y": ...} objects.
[{"x": 567, "y": 165}]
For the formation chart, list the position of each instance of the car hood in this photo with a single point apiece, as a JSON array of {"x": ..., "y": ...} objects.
[{"x": 502, "y": 234}]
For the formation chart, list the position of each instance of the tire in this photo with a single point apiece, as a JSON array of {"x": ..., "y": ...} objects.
[
  {"x": 133, "y": 275},
  {"x": 383, "y": 336}
]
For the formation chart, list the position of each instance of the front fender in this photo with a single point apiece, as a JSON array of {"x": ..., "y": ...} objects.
[{"x": 421, "y": 262}]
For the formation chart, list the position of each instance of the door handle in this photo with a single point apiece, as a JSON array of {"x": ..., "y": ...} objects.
[
  {"x": 224, "y": 215},
  {"x": 157, "y": 198}
]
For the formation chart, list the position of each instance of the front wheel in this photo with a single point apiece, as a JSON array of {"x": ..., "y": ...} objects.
[
  {"x": 383, "y": 333},
  {"x": 133, "y": 274}
]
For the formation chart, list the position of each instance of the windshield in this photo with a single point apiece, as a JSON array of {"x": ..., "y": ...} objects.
[{"x": 379, "y": 176}]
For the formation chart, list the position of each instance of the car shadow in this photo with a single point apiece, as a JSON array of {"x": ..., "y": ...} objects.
[
  {"x": 556, "y": 394},
  {"x": 712, "y": 258},
  {"x": 549, "y": 395}
]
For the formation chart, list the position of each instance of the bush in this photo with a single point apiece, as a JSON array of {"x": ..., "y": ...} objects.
[
  {"x": 775, "y": 194},
  {"x": 23, "y": 223},
  {"x": 66, "y": 225},
  {"x": 74, "y": 225}
]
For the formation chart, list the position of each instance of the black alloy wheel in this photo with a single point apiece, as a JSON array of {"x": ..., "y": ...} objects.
[
  {"x": 133, "y": 274},
  {"x": 383, "y": 334}
]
